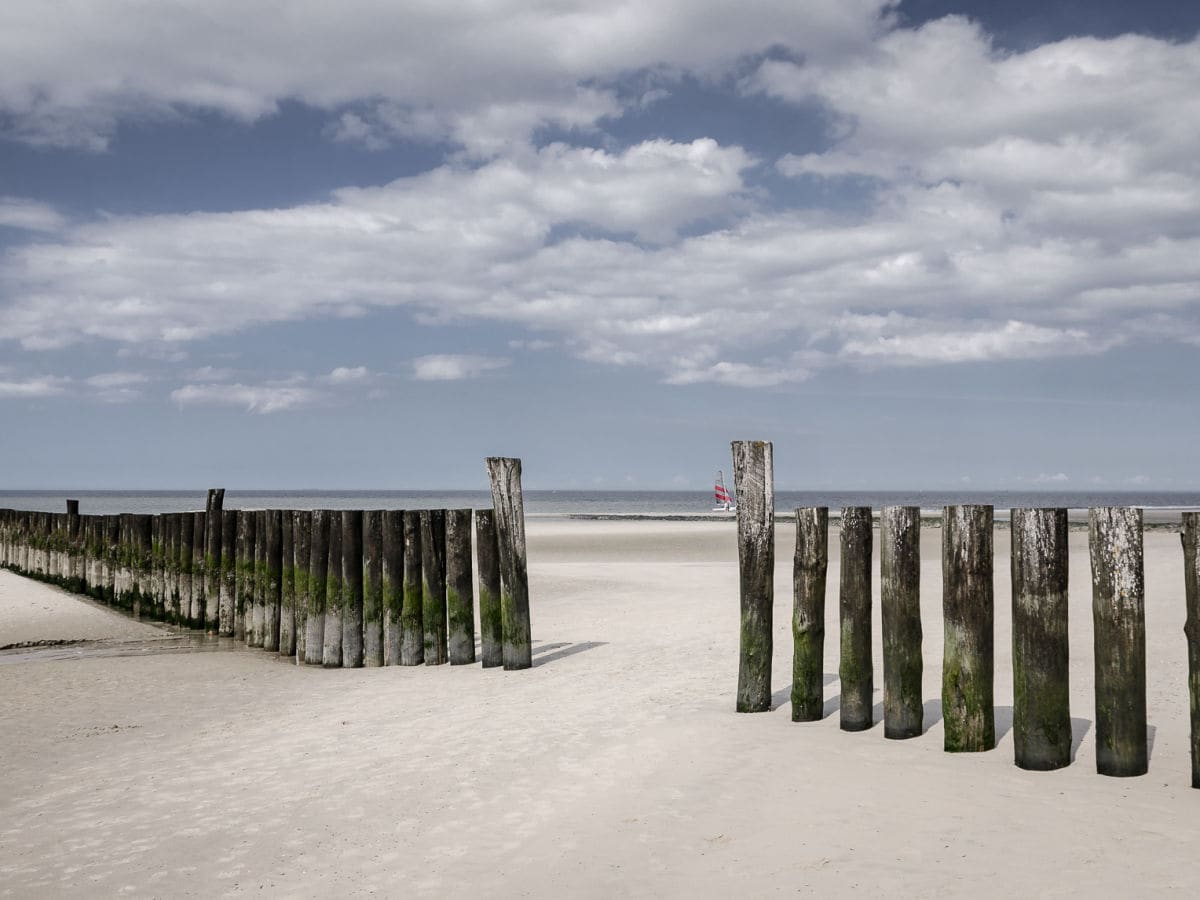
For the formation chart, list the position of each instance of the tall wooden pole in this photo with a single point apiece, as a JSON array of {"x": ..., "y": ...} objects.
[
  {"x": 302, "y": 539},
  {"x": 900, "y": 602},
  {"x": 412, "y": 634},
  {"x": 372, "y": 588},
  {"x": 213, "y": 521},
  {"x": 352, "y": 588},
  {"x": 487, "y": 553},
  {"x": 809, "y": 567},
  {"x": 504, "y": 473},
  {"x": 857, "y": 669},
  {"x": 243, "y": 607},
  {"x": 754, "y": 484},
  {"x": 392, "y": 577},
  {"x": 968, "y": 613},
  {"x": 187, "y": 525},
  {"x": 332, "y": 655},
  {"x": 318, "y": 573},
  {"x": 1191, "y": 580},
  {"x": 1119, "y": 620},
  {"x": 287, "y": 590},
  {"x": 227, "y": 593},
  {"x": 460, "y": 587},
  {"x": 1041, "y": 654},
  {"x": 199, "y": 524},
  {"x": 433, "y": 584}
]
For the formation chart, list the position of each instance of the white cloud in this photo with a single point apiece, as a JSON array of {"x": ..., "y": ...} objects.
[
  {"x": 109, "y": 380},
  {"x": 479, "y": 73},
  {"x": 347, "y": 375},
  {"x": 454, "y": 367},
  {"x": 29, "y": 215},
  {"x": 261, "y": 398},
  {"x": 38, "y": 386}
]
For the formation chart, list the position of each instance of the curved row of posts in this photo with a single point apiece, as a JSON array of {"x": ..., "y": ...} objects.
[
  {"x": 335, "y": 588},
  {"x": 1041, "y": 688}
]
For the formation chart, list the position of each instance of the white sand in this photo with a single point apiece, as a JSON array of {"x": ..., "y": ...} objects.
[{"x": 615, "y": 767}]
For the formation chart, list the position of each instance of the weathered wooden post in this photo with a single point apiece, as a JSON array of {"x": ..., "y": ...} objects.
[
  {"x": 273, "y": 598},
  {"x": 392, "y": 575},
  {"x": 1190, "y": 537},
  {"x": 460, "y": 588},
  {"x": 287, "y": 587},
  {"x": 487, "y": 560},
  {"x": 754, "y": 484},
  {"x": 187, "y": 533},
  {"x": 412, "y": 626},
  {"x": 1119, "y": 618},
  {"x": 900, "y": 602},
  {"x": 856, "y": 670},
  {"x": 809, "y": 567},
  {"x": 352, "y": 588},
  {"x": 372, "y": 588},
  {"x": 227, "y": 592},
  {"x": 504, "y": 473},
  {"x": 1041, "y": 674},
  {"x": 318, "y": 574},
  {"x": 199, "y": 524},
  {"x": 433, "y": 584},
  {"x": 213, "y": 522},
  {"x": 968, "y": 612},
  {"x": 331, "y": 658},
  {"x": 143, "y": 596},
  {"x": 255, "y": 615},
  {"x": 243, "y": 607},
  {"x": 302, "y": 540}
]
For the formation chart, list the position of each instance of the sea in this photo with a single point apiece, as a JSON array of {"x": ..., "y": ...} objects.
[{"x": 666, "y": 505}]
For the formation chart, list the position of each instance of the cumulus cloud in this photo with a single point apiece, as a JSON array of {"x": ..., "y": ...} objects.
[
  {"x": 254, "y": 398},
  {"x": 454, "y": 367},
  {"x": 480, "y": 73},
  {"x": 37, "y": 386},
  {"x": 28, "y": 215},
  {"x": 1030, "y": 204}
]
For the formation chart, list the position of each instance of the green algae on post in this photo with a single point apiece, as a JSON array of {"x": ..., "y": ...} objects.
[
  {"x": 856, "y": 670},
  {"x": 1041, "y": 652},
  {"x": 331, "y": 657},
  {"x": 318, "y": 576},
  {"x": 412, "y": 633},
  {"x": 809, "y": 568},
  {"x": 302, "y": 543},
  {"x": 460, "y": 588},
  {"x": 968, "y": 613},
  {"x": 352, "y": 588},
  {"x": 287, "y": 585},
  {"x": 504, "y": 475},
  {"x": 433, "y": 585},
  {"x": 392, "y": 583},
  {"x": 900, "y": 608},
  {"x": 754, "y": 484},
  {"x": 372, "y": 589},
  {"x": 1190, "y": 537},
  {"x": 487, "y": 561},
  {"x": 1119, "y": 627}
]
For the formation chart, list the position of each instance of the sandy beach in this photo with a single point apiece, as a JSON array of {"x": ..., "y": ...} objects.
[{"x": 615, "y": 767}]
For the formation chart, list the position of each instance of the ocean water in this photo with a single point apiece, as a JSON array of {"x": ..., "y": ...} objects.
[{"x": 593, "y": 504}]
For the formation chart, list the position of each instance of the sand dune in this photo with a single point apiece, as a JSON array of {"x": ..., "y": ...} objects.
[{"x": 615, "y": 767}]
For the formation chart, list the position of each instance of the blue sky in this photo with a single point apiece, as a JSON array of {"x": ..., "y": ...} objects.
[{"x": 917, "y": 245}]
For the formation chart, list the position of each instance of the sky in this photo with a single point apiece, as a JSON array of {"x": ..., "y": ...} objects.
[{"x": 366, "y": 244}]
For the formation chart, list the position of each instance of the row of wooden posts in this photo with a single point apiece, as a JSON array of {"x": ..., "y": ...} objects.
[
  {"x": 1041, "y": 688},
  {"x": 336, "y": 588}
]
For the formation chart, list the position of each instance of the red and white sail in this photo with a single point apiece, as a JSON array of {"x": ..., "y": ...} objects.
[{"x": 724, "y": 499}]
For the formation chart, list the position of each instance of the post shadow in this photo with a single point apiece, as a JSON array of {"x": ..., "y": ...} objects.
[
  {"x": 568, "y": 650},
  {"x": 1004, "y": 721},
  {"x": 784, "y": 694},
  {"x": 1079, "y": 730},
  {"x": 932, "y": 713}
]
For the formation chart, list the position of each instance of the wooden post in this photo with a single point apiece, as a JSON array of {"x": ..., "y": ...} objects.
[
  {"x": 187, "y": 525},
  {"x": 243, "y": 607},
  {"x": 373, "y": 623},
  {"x": 287, "y": 587},
  {"x": 857, "y": 670},
  {"x": 273, "y": 597},
  {"x": 142, "y": 594},
  {"x": 460, "y": 588},
  {"x": 1041, "y": 674},
  {"x": 487, "y": 554},
  {"x": 1190, "y": 537},
  {"x": 412, "y": 626},
  {"x": 318, "y": 574},
  {"x": 504, "y": 473},
  {"x": 900, "y": 603},
  {"x": 754, "y": 484},
  {"x": 227, "y": 593},
  {"x": 198, "y": 526},
  {"x": 392, "y": 577},
  {"x": 302, "y": 539},
  {"x": 968, "y": 613},
  {"x": 433, "y": 584},
  {"x": 173, "y": 551},
  {"x": 256, "y": 579},
  {"x": 352, "y": 588},
  {"x": 213, "y": 521},
  {"x": 331, "y": 658},
  {"x": 1119, "y": 618},
  {"x": 809, "y": 567}
]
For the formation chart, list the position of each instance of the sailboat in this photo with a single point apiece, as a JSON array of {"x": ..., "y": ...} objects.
[{"x": 724, "y": 499}]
